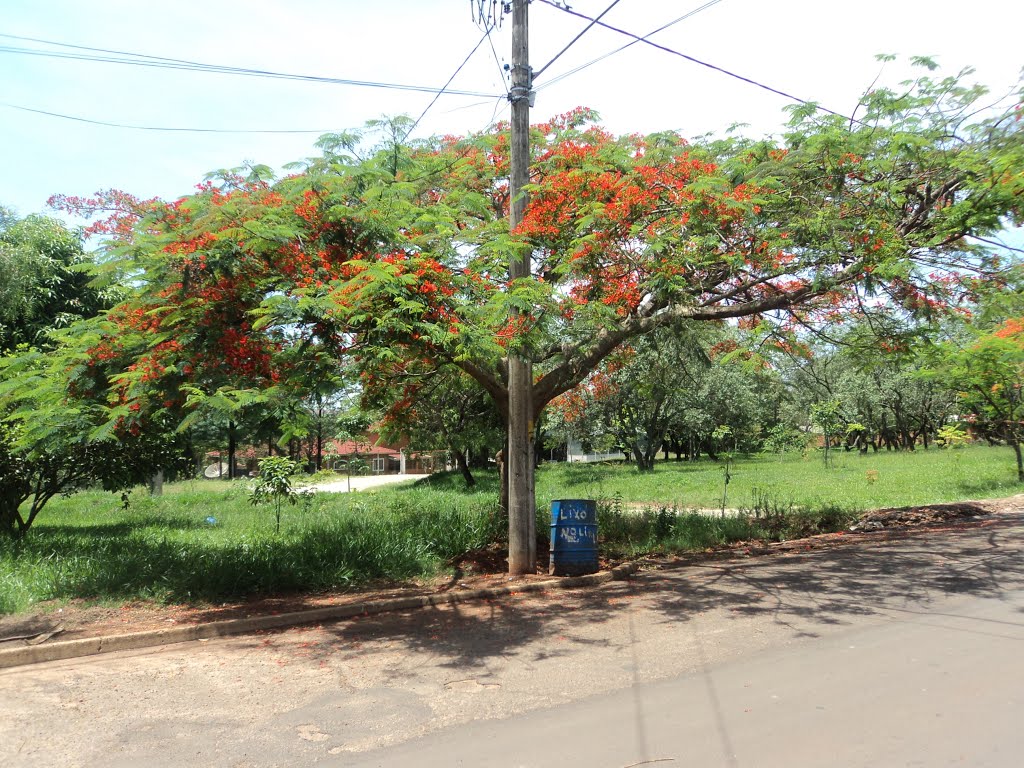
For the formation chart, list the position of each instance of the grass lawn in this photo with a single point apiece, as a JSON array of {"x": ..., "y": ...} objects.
[
  {"x": 166, "y": 549},
  {"x": 852, "y": 481},
  {"x": 885, "y": 479}
]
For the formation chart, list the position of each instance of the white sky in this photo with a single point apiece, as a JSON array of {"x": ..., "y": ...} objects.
[{"x": 817, "y": 50}]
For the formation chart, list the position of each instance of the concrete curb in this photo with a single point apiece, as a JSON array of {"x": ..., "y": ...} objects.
[{"x": 89, "y": 646}]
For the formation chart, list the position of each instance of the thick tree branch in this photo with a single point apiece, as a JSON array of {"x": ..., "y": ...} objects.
[{"x": 584, "y": 357}]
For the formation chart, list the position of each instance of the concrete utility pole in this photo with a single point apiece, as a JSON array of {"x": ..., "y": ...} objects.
[{"x": 522, "y": 524}]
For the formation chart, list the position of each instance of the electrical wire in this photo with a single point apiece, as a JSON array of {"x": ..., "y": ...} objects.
[
  {"x": 150, "y": 127},
  {"x": 160, "y": 62},
  {"x": 630, "y": 44},
  {"x": 486, "y": 35},
  {"x": 694, "y": 60},
  {"x": 500, "y": 106},
  {"x": 996, "y": 243},
  {"x": 94, "y": 50},
  {"x": 573, "y": 42},
  {"x": 497, "y": 60},
  {"x": 164, "y": 62}
]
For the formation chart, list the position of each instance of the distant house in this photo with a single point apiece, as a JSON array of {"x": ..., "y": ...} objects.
[
  {"x": 370, "y": 454},
  {"x": 574, "y": 453}
]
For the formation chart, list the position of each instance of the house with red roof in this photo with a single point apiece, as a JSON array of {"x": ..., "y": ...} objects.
[{"x": 370, "y": 454}]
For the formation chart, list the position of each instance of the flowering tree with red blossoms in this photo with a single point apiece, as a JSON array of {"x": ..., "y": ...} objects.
[{"x": 397, "y": 259}]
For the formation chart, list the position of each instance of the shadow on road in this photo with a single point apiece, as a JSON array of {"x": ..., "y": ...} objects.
[
  {"x": 799, "y": 591},
  {"x": 828, "y": 587}
]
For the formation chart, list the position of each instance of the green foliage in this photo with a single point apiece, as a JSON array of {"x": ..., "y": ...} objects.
[
  {"x": 951, "y": 436},
  {"x": 52, "y": 444},
  {"x": 672, "y": 389},
  {"x": 444, "y": 410},
  {"x": 782, "y": 438},
  {"x": 828, "y": 418},
  {"x": 45, "y": 282},
  {"x": 874, "y": 384},
  {"x": 357, "y": 466},
  {"x": 989, "y": 377},
  {"x": 722, "y": 434},
  {"x": 640, "y": 393},
  {"x": 274, "y": 484},
  {"x": 44, "y": 287}
]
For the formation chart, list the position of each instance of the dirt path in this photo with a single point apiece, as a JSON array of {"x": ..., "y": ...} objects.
[{"x": 362, "y": 483}]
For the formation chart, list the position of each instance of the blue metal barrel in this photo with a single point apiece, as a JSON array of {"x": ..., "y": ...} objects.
[{"x": 573, "y": 537}]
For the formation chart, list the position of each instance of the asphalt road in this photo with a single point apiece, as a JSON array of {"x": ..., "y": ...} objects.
[{"x": 904, "y": 653}]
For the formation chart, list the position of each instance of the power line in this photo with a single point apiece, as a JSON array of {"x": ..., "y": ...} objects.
[
  {"x": 89, "y": 48},
  {"x": 150, "y": 127},
  {"x": 159, "y": 62},
  {"x": 486, "y": 13},
  {"x": 220, "y": 69},
  {"x": 674, "y": 52},
  {"x": 997, "y": 243},
  {"x": 572, "y": 42},
  {"x": 497, "y": 60},
  {"x": 164, "y": 62},
  {"x": 499, "y": 107},
  {"x": 630, "y": 44},
  {"x": 487, "y": 34}
]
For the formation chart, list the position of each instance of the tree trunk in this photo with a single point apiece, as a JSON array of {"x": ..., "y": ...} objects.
[
  {"x": 9, "y": 518},
  {"x": 641, "y": 459},
  {"x": 14, "y": 490},
  {"x": 320, "y": 444},
  {"x": 463, "y": 465},
  {"x": 1020, "y": 461},
  {"x": 156, "y": 483},
  {"x": 908, "y": 440},
  {"x": 503, "y": 477},
  {"x": 479, "y": 458},
  {"x": 232, "y": 447},
  {"x": 652, "y": 455}
]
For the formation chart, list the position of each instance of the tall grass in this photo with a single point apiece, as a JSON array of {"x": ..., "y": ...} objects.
[
  {"x": 164, "y": 548},
  {"x": 628, "y": 533},
  {"x": 204, "y": 541}
]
